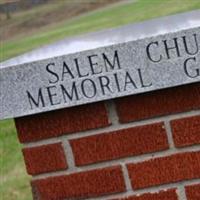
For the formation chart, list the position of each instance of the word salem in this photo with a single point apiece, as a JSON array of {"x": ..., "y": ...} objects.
[{"x": 102, "y": 76}]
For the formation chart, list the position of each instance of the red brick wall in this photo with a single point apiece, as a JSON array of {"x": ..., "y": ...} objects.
[{"x": 141, "y": 147}]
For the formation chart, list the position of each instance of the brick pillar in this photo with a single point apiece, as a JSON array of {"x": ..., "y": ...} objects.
[{"x": 142, "y": 147}]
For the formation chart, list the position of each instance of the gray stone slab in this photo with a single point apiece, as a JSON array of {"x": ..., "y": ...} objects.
[{"x": 132, "y": 59}]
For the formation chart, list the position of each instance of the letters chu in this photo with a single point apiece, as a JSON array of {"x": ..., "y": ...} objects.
[{"x": 178, "y": 47}]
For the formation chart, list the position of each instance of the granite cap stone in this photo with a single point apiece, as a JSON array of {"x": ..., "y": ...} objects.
[{"x": 127, "y": 60}]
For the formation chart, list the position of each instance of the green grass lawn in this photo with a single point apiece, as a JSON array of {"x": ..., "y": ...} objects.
[
  {"x": 116, "y": 16},
  {"x": 14, "y": 183}
]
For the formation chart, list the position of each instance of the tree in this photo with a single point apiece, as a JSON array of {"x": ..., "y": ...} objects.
[{"x": 7, "y": 6}]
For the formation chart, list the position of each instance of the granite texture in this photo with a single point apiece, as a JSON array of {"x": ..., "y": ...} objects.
[{"x": 148, "y": 63}]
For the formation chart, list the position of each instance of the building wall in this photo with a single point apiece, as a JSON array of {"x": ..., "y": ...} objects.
[{"x": 143, "y": 147}]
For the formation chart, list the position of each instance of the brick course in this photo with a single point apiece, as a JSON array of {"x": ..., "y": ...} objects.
[
  {"x": 193, "y": 192},
  {"x": 80, "y": 185},
  {"x": 60, "y": 122},
  {"x": 118, "y": 144},
  {"x": 164, "y": 170},
  {"x": 158, "y": 103},
  {"x": 45, "y": 158},
  {"x": 186, "y": 131}
]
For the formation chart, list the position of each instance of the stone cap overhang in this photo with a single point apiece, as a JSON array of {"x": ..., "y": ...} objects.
[{"x": 26, "y": 72}]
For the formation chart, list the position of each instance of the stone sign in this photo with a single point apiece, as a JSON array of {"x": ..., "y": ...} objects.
[{"x": 149, "y": 56}]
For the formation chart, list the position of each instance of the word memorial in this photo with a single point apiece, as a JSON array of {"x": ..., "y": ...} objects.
[{"x": 152, "y": 62}]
